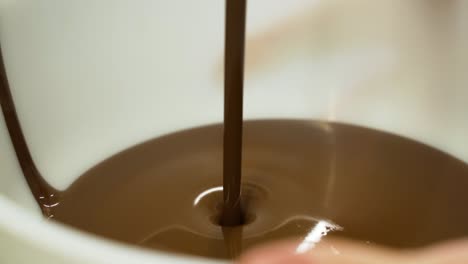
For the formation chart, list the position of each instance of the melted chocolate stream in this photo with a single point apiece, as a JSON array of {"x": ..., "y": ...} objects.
[
  {"x": 44, "y": 194},
  {"x": 233, "y": 102}
]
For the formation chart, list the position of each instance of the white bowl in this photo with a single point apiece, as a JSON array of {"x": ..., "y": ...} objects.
[{"x": 90, "y": 78}]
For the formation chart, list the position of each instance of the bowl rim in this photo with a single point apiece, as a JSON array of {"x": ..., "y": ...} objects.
[{"x": 76, "y": 244}]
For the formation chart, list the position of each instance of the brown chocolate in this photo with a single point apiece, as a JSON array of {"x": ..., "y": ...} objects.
[{"x": 166, "y": 193}]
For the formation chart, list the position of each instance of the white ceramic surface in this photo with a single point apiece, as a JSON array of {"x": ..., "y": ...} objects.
[{"x": 90, "y": 78}]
